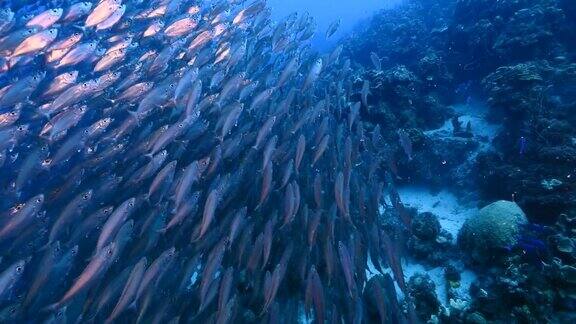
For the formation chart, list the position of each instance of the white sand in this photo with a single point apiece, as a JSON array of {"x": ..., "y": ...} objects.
[
  {"x": 451, "y": 213},
  {"x": 473, "y": 112},
  {"x": 444, "y": 204}
]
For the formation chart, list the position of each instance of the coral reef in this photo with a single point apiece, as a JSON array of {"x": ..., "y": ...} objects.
[
  {"x": 414, "y": 81},
  {"x": 518, "y": 57},
  {"x": 536, "y": 280},
  {"x": 429, "y": 243},
  {"x": 422, "y": 289},
  {"x": 496, "y": 227},
  {"x": 486, "y": 36}
]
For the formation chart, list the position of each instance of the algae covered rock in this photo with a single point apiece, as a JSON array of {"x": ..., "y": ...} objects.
[
  {"x": 494, "y": 228},
  {"x": 423, "y": 291},
  {"x": 426, "y": 226}
]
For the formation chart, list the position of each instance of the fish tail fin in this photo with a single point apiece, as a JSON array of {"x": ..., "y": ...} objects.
[
  {"x": 264, "y": 310},
  {"x": 45, "y": 246},
  {"x": 50, "y": 308},
  {"x": 132, "y": 306},
  {"x": 82, "y": 28},
  {"x": 134, "y": 114}
]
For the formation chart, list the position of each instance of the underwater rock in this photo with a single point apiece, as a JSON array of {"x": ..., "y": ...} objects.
[
  {"x": 569, "y": 273},
  {"x": 452, "y": 279},
  {"x": 562, "y": 243},
  {"x": 494, "y": 228},
  {"x": 429, "y": 243},
  {"x": 433, "y": 253},
  {"x": 442, "y": 160},
  {"x": 423, "y": 291},
  {"x": 426, "y": 226},
  {"x": 475, "y": 318},
  {"x": 566, "y": 224},
  {"x": 551, "y": 184},
  {"x": 451, "y": 273},
  {"x": 459, "y": 130}
]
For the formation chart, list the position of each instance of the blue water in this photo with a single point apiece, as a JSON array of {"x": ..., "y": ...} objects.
[{"x": 326, "y": 11}]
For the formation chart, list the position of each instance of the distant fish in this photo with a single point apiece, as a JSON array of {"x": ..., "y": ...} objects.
[
  {"x": 313, "y": 74},
  {"x": 333, "y": 28},
  {"x": 405, "y": 143},
  {"x": 523, "y": 144},
  {"x": 365, "y": 92},
  {"x": 376, "y": 61}
]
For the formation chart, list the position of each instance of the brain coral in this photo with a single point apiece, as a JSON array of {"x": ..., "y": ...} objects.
[{"x": 496, "y": 226}]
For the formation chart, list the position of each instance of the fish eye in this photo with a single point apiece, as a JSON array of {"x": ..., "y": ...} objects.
[
  {"x": 20, "y": 128},
  {"x": 19, "y": 269},
  {"x": 38, "y": 200},
  {"x": 109, "y": 252},
  {"x": 17, "y": 208},
  {"x": 131, "y": 204},
  {"x": 85, "y": 196}
]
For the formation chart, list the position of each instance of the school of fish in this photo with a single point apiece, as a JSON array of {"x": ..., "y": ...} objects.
[{"x": 173, "y": 161}]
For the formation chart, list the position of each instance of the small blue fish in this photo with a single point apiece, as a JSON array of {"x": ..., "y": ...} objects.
[{"x": 523, "y": 143}]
